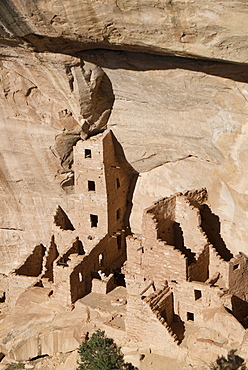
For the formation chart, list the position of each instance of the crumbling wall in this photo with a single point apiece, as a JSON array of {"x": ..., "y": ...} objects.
[
  {"x": 103, "y": 285},
  {"x": 161, "y": 303},
  {"x": 164, "y": 214},
  {"x": 238, "y": 277},
  {"x": 117, "y": 177},
  {"x": 51, "y": 256},
  {"x": 61, "y": 276},
  {"x": 105, "y": 257},
  {"x": 62, "y": 220},
  {"x": 199, "y": 270},
  {"x": 73, "y": 275},
  {"x": 210, "y": 223},
  {"x": 238, "y": 287},
  {"x": 144, "y": 326},
  {"x": 189, "y": 219},
  {"x": 160, "y": 261},
  {"x": 217, "y": 265},
  {"x": 77, "y": 284}
]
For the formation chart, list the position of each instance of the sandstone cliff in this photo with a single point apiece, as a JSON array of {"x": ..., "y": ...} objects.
[
  {"x": 214, "y": 30},
  {"x": 170, "y": 79}
]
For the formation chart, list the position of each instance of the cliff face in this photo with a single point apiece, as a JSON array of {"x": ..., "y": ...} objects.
[
  {"x": 170, "y": 79},
  {"x": 186, "y": 117},
  {"x": 215, "y": 30}
]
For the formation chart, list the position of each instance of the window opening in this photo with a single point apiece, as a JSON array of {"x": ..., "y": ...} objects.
[
  {"x": 118, "y": 183},
  {"x": 94, "y": 220},
  {"x": 91, "y": 186},
  {"x": 87, "y": 153},
  {"x": 190, "y": 316},
  {"x": 235, "y": 267},
  {"x": 118, "y": 214},
  {"x": 101, "y": 259},
  {"x": 81, "y": 277},
  {"x": 3, "y": 297},
  {"x": 118, "y": 239},
  {"x": 198, "y": 294}
]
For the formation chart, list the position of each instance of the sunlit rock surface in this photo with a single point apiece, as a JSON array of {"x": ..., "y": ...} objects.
[
  {"x": 213, "y": 29},
  {"x": 182, "y": 122}
]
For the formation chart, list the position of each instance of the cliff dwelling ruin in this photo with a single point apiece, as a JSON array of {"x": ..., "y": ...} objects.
[
  {"x": 172, "y": 281},
  {"x": 123, "y": 181}
]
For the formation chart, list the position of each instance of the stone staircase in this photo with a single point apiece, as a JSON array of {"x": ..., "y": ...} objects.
[{"x": 156, "y": 301}]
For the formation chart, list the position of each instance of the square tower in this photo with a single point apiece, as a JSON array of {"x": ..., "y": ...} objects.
[{"x": 102, "y": 181}]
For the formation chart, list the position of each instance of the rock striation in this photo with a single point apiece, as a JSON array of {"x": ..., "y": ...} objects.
[
  {"x": 213, "y": 30},
  {"x": 170, "y": 79}
]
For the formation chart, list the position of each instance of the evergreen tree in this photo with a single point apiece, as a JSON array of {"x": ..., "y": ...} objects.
[
  {"x": 101, "y": 353},
  {"x": 232, "y": 362}
]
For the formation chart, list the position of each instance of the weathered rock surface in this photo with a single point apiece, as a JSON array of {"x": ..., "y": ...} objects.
[
  {"x": 215, "y": 30},
  {"x": 182, "y": 124},
  {"x": 188, "y": 116}
]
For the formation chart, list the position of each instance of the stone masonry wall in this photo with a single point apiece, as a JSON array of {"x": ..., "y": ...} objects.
[
  {"x": 89, "y": 166},
  {"x": 73, "y": 279},
  {"x": 238, "y": 277},
  {"x": 51, "y": 256},
  {"x": 117, "y": 184},
  {"x": 199, "y": 270},
  {"x": 140, "y": 319},
  {"x": 161, "y": 261},
  {"x": 218, "y": 266},
  {"x": 189, "y": 219},
  {"x": 191, "y": 298},
  {"x": 164, "y": 214}
]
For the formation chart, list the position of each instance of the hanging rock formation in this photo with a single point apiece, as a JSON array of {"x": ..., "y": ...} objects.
[{"x": 169, "y": 78}]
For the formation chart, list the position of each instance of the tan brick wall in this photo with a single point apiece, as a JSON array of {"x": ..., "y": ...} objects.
[
  {"x": 111, "y": 177},
  {"x": 91, "y": 202},
  {"x": 238, "y": 277},
  {"x": 218, "y": 265},
  {"x": 199, "y": 270},
  {"x": 187, "y": 299},
  {"x": 75, "y": 280},
  {"x": 189, "y": 219},
  {"x": 51, "y": 256},
  {"x": 117, "y": 180},
  {"x": 164, "y": 215},
  {"x": 142, "y": 325}
]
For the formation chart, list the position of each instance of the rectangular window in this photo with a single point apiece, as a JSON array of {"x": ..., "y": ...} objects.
[
  {"x": 91, "y": 186},
  {"x": 198, "y": 294},
  {"x": 93, "y": 220},
  {"x": 117, "y": 180},
  {"x": 101, "y": 259},
  {"x": 190, "y": 316},
  {"x": 118, "y": 239},
  {"x": 118, "y": 214},
  {"x": 87, "y": 153},
  {"x": 81, "y": 277}
]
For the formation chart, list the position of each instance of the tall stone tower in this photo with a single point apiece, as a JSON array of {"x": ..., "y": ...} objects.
[{"x": 102, "y": 182}]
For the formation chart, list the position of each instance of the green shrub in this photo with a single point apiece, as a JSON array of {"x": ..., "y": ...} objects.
[
  {"x": 15, "y": 366},
  {"x": 101, "y": 353}
]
